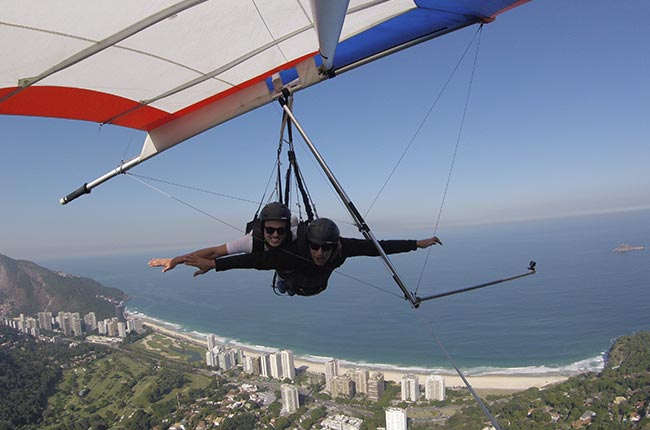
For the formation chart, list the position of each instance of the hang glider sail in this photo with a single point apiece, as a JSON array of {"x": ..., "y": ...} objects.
[{"x": 177, "y": 68}]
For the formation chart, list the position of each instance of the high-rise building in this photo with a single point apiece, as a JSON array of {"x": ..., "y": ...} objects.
[
  {"x": 288, "y": 366},
  {"x": 275, "y": 364},
  {"x": 410, "y": 388},
  {"x": 121, "y": 329},
  {"x": 396, "y": 419},
  {"x": 212, "y": 342},
  {"x": 90, "y": 319},
  {"x": 210, "y": 359},
  {"x": 65, "y": 323},
  {"x": 252, "y": 365},
  {"x": 375, "y": 386},
  {"x": 360, "y": 378},
  {"x": 232, "y": 354},
  {"x": 342, "y": 386},
  {"x": 75, "y": 324},
  {"x": 45, "y": 320},
  {"x": 224, "y": 359},
  {"x": 290, "y": 399},
  {"x": 119, "y": 312},
  {"x": 265, "y": 366},
  {"x": 111, "y": 326},
  {"x": 331, "y": 370},
  {"x": 434, "y": 388}
]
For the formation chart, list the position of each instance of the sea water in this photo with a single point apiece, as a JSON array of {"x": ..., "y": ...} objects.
[{"x": 562, "y": 319}]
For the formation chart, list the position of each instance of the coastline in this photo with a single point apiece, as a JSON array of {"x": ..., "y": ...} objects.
[{"x": 492, "y": 383}]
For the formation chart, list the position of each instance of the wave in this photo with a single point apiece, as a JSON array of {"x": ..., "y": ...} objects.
[{"x": 591, "y": 364}]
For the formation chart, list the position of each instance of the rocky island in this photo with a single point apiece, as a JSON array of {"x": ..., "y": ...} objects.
[{"x": 624, "y": 247}]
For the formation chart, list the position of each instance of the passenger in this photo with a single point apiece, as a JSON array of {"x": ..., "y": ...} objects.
[
  {"x": 307, "y": 263},
  {"x": 274, "y": 228}
]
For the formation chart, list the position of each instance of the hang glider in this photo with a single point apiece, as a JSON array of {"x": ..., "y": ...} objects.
[{"x": 175, "y": 68}]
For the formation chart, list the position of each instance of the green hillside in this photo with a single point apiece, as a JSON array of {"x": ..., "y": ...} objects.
[{"x": 28, "y": 288}]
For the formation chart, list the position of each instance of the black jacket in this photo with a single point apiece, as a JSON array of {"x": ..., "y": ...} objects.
[{"x": 295, "y": 266}]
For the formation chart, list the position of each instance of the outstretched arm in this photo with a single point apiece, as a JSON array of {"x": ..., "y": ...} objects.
[
  {"x": 205, "y": 253},
  {"x": 358, "y": 247},
  {"x": 276, "y": 259},
  {"x": 203, "y": 264},
  {"x": 425, "y": 243}
]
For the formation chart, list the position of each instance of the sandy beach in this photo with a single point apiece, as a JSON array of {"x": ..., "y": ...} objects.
[{"x": 495, "y": 383}]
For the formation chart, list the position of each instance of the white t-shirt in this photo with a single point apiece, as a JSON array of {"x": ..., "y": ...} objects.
[{"x": 244, "y": 244}]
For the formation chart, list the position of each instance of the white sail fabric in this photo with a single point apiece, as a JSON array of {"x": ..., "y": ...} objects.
[{"x": 175, "y": 68}]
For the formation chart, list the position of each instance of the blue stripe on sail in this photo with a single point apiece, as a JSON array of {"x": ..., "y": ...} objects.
[
  {"x": 429, "y": 18},
  {"x": 394, "y": 32}
]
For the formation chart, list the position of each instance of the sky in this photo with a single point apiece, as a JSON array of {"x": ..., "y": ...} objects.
[{"x": 557, "y": 124}]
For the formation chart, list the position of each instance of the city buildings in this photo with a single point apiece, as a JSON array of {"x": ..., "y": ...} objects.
[
  {"x": 210, "y": 359},
  {"x": 360, "y": 378},
  {"x": 221, "y": 357},
  {"x": 376, "y": 386},
  {"x": 396, "y": 419},
  {"x": 341, "y": 422},
  {"x": 45, "y": 320},
  {"x": 71, "y": 324},
  {"x": 410, "y": 388},
  {"x": 275, "y": 365},
  {"x": 290, "y": 399},
  {"x": 434, "y": 388},
  {"x": 331, "y": 370},
  {"x": 343, "y": 386},
  {"x": 288, "y": 366},
  {"x": 212, "y": 341},
  {"x": 252, "y": 365}
]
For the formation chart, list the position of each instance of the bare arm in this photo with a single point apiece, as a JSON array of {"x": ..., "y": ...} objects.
[
  {"x": 203, "y": 264},
  {"x": 205, "y": 253}
]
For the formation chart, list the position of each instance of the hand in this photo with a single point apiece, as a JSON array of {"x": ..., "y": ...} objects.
[
  {"x": 425, "y": 243},
  {"x": 203, "y": 264},
  {"x": 165, "y": 263}
]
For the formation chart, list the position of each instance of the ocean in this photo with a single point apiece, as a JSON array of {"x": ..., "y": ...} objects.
[{"x": 560, "y": 320}]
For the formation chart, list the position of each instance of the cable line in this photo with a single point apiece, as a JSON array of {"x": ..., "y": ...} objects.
[
  {"x": 162, "y": 181},
  {"x": 478, "y": 400},
  {"x": 137, "y": 179},
  {"x": 424, "y": 120},
  {"x": 151, "y": 187},
  {"x": 453, "y": 159}
]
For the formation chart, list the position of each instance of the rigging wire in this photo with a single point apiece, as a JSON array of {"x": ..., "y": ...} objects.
[
  {"x": 453, "y": 159},
  {"x": 138, "y": 179},
  {"x": 128, "y": 146},
  {"x": 424, "y": 120},
  {"x": 189, "y": 187},
  {"x": 478, "y": 400},
  {"x": 427, "y": 324}
]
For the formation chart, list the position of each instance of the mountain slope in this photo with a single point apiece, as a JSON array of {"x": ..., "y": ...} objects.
[{"x": 28, "y": 288}]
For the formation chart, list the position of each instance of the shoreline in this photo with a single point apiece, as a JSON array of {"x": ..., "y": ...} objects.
[{"x": 493, "y": 383}]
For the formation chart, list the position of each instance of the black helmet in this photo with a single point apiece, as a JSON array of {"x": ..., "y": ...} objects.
[
  {"x": 323, "y": 231},
  {"x": 275, "y": 211}
]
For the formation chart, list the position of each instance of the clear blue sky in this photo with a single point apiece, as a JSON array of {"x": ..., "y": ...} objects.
[{"x": 558, "y": 124}]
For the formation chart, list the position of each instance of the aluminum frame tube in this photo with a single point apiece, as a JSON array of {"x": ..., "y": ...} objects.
[
  {"x": 87, "y": 188},
  {"x": 358, "y": 218}
]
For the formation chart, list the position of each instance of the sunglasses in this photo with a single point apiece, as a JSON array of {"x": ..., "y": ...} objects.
[
  {"x": 326, "y": 247},
  {"x": 271, "y": 230}
]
